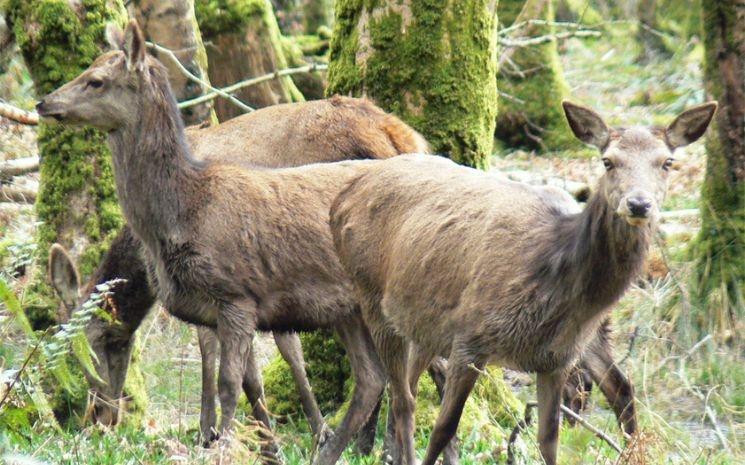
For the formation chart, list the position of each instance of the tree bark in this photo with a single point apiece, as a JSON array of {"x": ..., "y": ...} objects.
[
  {"x": 172, "y": 24},
  {"x": 720, "y": 247},
  {"x": 243, "y": 41},
  {"x": 432, "y": 63},
  {"x": 76, "y": 204},
  {"x": 530, "y": 115}
]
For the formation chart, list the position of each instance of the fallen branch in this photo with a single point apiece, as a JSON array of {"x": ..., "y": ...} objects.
[
  {"x": 687, "y": 213},
  {"x": 18, "y": 166},
  {"x": 589, "y": 426},
  {"x": 579, "y": 190},
  {"x": 18, "y": 115},
  {"x": 197, "y": 80},
  {"x": 252, "y": 82},
  {"x": 17, "y": 194},
  {"x": 512, "y": 43}
]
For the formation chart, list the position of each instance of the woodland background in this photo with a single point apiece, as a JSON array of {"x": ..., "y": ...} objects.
[{"x": 484, "y": 84}]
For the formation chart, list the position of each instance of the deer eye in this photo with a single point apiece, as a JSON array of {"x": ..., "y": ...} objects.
[
  {"x": 94, "y": 83},
  {"x": 608, "y": 164},
  {"x": 668, "y": 164}
]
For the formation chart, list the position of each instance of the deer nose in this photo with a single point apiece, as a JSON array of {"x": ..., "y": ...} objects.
[
  {"x": 639, "y": 206},
  {"x": 40, "y": 105}
]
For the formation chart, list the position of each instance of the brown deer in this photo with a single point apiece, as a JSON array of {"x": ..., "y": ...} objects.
[
  {"x": 321, "y": 131},
  {"x": 235, "y": 248},
  {"x": 483, "y": 270}
]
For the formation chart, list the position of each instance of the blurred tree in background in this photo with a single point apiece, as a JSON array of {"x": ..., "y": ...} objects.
[
  {"x": 720, "y": 248},
  {"x": 531, "y": 81},
  {"x": 244, "y": 41},
  {"x": 171, "y": 24}
]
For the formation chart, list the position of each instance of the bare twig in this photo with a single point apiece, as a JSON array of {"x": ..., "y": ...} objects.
[
  {"x": 19, "y": 166},
  {"x": 197, "y": 80},
  {"x": 521, "y": 426},
  {"x": 23, "y": 367},
  {"x": 708, "y": 412},
  {"x": 252, "y": 82},
  {"x": 512, "y": 43},
  {"x": 19, "y": 116},
  {"x": 591, "y": 428},
  {"x": 683, "y": 357}
]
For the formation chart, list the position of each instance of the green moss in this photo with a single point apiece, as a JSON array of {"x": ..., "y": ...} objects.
[
  {"x": 224, "y": 16},
  {"x": 328, "y": 372},
  {"x": 437, "y": 73},
  {"x": 533, "y": 118}
]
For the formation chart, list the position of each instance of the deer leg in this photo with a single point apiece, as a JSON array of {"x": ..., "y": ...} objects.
[
  {"x": 437, "y": 370},
  {"x": 235, "y": 331},
  {"x": 461, "y": 378},
  {"x": 549, "y": 413},
  {"x": 612, "y": 382},
  {"x": 368, "y": 387},
  {"x": 291, "y": 350},
  {"x": 208, "y": 414},
  {"x": 253, "y": 386},
  {"x": 393, "y": 351},
  {"x": 366, "y": 437}
]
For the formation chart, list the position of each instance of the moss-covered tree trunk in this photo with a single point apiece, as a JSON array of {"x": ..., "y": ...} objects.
[
  {"x": 171, "y": 23},
  {"x": 244, "y": 42},
  {"x": 720, "y": 247},
  {"x": 77, "y": 204},
  {"x": 433, "y": 63},
  {"x": 530, "y": 116}
]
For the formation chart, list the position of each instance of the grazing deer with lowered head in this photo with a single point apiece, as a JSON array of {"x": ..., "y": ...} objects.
[
  {"x": 294, "y": 134},
  {"x": 234, "y": 248},
  {"x": 482, "y": 270}
]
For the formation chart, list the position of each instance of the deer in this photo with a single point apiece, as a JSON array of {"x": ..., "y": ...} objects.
[
  {"x": 337, "y": 128},
  {"x": 236, "y": 248},
  {"x": 283, "y": 135},
  {"x": 482, "y": 270}
]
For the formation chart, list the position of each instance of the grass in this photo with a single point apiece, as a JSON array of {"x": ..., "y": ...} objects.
[{"x": 673, "y": 386}]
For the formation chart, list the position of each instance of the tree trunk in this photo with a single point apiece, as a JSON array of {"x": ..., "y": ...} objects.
[
  {"x": 317, "y": 13},
  {"x": 76, "y": 204},
  {"x": 243, "y": 41},
  {"x": 653, "y": 48},
  {"x": 171, "y": 23},
  {"x": 432, "y": 63},
  {"x": 532, "y": 79},
  {"x": 720, "y": 247}
]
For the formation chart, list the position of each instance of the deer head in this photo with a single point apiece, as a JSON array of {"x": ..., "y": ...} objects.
[
  {"x": 637, "y": 160},
  {"x": 106, "y": 95}
]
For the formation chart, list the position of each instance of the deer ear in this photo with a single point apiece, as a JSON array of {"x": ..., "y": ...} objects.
[
  {"x": 114, "y": 36},
  {"x": 65, "y": 278},
  {"x": 134, "y": 46},
  {"x": 690, "y": 125},
  {"x": 587, "y": 125}
]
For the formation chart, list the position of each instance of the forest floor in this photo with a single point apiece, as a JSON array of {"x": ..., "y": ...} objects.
[{"x": 690, "y": 390}]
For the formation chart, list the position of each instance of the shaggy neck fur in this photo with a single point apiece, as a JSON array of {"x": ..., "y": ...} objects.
[
  {"x": 583, "y": 264},
  {"x": 157, "y": 179}
]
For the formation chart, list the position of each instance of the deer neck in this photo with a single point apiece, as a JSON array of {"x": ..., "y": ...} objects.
[
  {"x": 589, "y": 259},
  {"x": 156, "y": 177}
]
